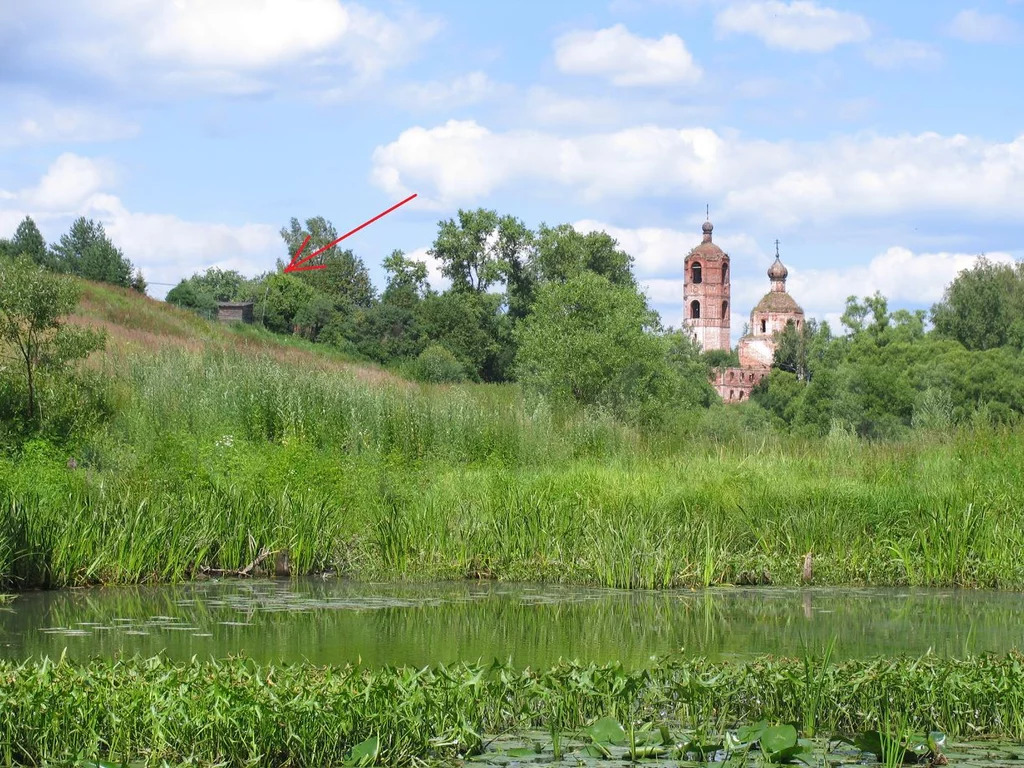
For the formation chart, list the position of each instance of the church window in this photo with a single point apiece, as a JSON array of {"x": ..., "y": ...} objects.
[
  {"x": 725, "y": 309},
  {"x": 695, "y": 310},
  {"x": 695, "y": 273},
  {"x": 764, "y": 326},
  {"x": 725, "y": 273}
]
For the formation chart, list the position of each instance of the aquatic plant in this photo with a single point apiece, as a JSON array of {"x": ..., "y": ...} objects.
[{"x": 236, "y": 712}]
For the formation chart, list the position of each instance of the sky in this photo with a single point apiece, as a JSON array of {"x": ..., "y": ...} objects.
[{"x": 882, "y": 143}]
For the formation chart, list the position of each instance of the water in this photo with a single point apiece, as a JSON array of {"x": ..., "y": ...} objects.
[{"x": 337, "y": 621}]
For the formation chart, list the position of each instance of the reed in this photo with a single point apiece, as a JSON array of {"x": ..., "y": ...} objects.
[{"x": 218, "y": 454}]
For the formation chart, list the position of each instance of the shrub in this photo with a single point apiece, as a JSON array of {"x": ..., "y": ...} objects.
[{"x": 437, "y": 365}]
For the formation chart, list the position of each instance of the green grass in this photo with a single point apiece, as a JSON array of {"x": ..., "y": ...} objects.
[
  {"x": 235, "y": 712},
  {"x": 226, "y": 441}
]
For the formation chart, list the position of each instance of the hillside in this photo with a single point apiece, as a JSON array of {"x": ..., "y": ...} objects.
[{"x": 137, "y": 324}]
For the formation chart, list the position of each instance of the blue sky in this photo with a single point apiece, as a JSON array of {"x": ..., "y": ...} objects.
[{"x": 881, "y": 142}]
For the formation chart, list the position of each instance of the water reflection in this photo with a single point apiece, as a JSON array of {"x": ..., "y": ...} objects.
[{"x": 337, "y": 621}]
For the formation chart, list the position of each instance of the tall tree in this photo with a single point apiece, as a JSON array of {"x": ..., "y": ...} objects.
[
  {"x": 591, "y": 342},
  {"x": 33, "y": 303},
  {"x": 983, "y": 307},
  {"x": 468, "y": 250},
  {"x": 562, "y": 253},
  {"x": 344, "y": 279},
  {"x": 86, "y": 251},
  {"x": 28, "y": 241}
]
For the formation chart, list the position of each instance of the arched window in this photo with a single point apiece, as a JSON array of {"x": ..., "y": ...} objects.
[
  {"x": 725, "y": 309},
  {"x": 725, "y": 273},
  {"x": 695, "y": 310},
  {"x": 764, "y": 326},
  {"x": 732, "y": 394},
  {"x": 695, "y": 273}
]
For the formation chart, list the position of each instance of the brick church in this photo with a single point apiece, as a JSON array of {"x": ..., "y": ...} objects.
[{"x": 706, "y": 302}]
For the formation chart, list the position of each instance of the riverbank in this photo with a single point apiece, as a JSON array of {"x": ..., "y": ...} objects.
[
  {"x": 228, "y": 450},
  {"x": 217, "y": 460},
  {"x": 235, "y": 712}
]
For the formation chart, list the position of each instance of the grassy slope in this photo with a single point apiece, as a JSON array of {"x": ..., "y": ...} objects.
[
  {"x": 138, "y": 324},
  {"x": 228, "y": 440}
]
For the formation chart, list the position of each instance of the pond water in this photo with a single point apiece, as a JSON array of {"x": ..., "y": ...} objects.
[{"x": 333, "y": 621}]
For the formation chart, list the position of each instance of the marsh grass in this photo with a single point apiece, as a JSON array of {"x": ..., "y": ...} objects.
[
  {"x": 227, "y": 441},
  {"x": 235, "y": 712}
]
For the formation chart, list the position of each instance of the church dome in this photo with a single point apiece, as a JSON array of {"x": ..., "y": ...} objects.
[
  {"x": 778, "y": 302},
  {"x": 778, "y": 271},
  {"x": 706, "y": 249}
]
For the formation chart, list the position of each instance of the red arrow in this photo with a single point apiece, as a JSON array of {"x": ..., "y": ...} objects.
[{"x": 302, "y": 265}]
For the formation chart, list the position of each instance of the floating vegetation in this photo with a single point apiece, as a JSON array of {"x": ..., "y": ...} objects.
[{"x": 237, "y": 712}]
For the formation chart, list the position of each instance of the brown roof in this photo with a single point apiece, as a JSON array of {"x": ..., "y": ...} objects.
[
  {"x": 776, "y": 301},
  {"x": 707, "y": 251}
]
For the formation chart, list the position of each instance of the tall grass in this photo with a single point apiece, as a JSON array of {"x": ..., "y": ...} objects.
[
  {"x": 238, "y": 713},
  {"x": 217, "y": 455}
]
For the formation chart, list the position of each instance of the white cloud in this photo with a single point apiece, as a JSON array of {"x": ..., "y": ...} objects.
[
  {"x": 973, "y": 26},
  {"x": 896, "y": 53},
  {"x": 800, "y": 25},
  {"x": 235, "y": 47},
  {"x": 68, "y": 183},
  {"x": 39, "y": 121},
  {"x": 626, "y": 59},
  {"x": 166, "y": 248},
  {"x": 466, "y": 89},
  {"x": 783, "y": 183},
  {"x": 240, "y": 34},
  {"x": 464, "y": 161}
]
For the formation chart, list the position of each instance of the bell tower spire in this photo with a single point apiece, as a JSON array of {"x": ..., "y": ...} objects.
[{"x": 707, "y": 291}]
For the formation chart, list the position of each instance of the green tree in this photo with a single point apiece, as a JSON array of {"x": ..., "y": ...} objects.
[
  {"x": 283, "y": 297},
  {"x": 28, "y": 241},
  {"x": 407, "y": 280},
  {"x": 188, "y": 295},
  {"x": 591, "y": 342},
  {"x": 33, "y": 303},
  {"x": 313, "y": 316},
  {"x": 797, "y": 349},
  {"x": 983, "y": 307},
  {"x": 344, "y": 278},
  {"x": 138, "y": 283},
  {"x": 471, "y": 326},
  {"x": 437, "y": 365},
  {"x": 563, "y": 253},
  {"x": 467, "y": 250},
  {"x": 86, "y": 251}
]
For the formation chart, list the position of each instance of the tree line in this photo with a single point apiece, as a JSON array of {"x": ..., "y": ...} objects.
[
  {"x": 893, "y": 370},
  {"x": 84, "y": 250},
  {"x": 560, "y": 311}
]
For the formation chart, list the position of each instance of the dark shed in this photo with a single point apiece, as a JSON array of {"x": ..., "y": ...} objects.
[{"x": 234, "y": 311}]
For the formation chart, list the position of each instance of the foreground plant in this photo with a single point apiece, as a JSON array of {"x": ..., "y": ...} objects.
[{"x": 235, "y": 712}]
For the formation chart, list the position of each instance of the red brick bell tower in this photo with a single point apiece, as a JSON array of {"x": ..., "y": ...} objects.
[{"x": 706, "y": 293}]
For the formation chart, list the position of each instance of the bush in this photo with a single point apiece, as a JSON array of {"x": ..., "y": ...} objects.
[{"x": 439, "y": 366}]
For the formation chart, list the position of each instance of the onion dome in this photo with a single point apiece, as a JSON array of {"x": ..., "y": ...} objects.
[
  {"x": 778, "y": 271},
  {"x": 706, "y": 249}
]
